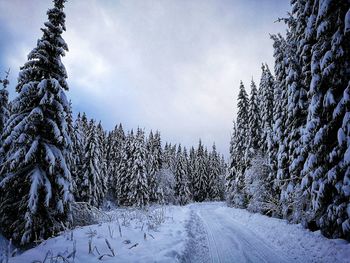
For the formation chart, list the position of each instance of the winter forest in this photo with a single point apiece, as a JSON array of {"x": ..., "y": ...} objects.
[{"x": 72, "y": 190}]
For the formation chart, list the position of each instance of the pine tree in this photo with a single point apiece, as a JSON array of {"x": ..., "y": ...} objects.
[
  {"x": 138, "y": 195},
  {"x": 4, "y": 103},
  {"x": 116, "y": 140},
  {"x": 253, "y": 123},
  {"x": 300, "y": 40},
  {"x": 213, "y": 175},
  {"x": 278, "y": 148},
  {"x": 222, "y": 177},
  {"x": 91, "y": 180},
  {"x": 325, "y": 170},
  {"x": 84, "y": 127},
  {"x": 191, "y": 171},
  {"x": 124, "y": 170},
  {"x": 242, "y": 127},
  {"x": 172, "y": 157},
  {"x": 231, "y": 173},
  {"x": 37, "y": 181},
  {"x": 266, "y": 99},
  {"x": 78, "y": 147},
  {"x": 71, "y": 158},
  {"x": 181, "y": 183},
  {"x": 240, "y": 147},
  {"x": 200, "y": 175},
  {"x": 102, "y": 163},
  {"x": 154, "y": 164}
]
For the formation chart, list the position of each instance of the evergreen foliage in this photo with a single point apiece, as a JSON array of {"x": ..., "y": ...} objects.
[{"x": 36, "y": 181}]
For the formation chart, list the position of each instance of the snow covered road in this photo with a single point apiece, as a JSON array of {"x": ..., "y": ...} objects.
[
  {"x": 235, "y": 235},
  {"x": 229, "y": 241}
]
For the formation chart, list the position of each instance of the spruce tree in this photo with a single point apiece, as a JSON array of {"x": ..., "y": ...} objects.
[
  {"x": 91, "y": 179},
  {"x": 266, "y": 105},
  {"x": 154, "y": 164},
  {"x": 222, "y": 178},
  {"x": 116, "y": 140},
  {"x": 325, "y": 170},
  {"x": 71, "y": 159},
  {"x": 78, "y": 148},
  {"x": 181, "y": 184},
  {"x": 277, "y": 147},
  {"x": 231, "y": 173},
  {"x": 102, "y": 163},
  {"x": 4, "y": 104},
  {"x": 242, "y": 127},
  {"x": 200, "y": 175},
  {"x": 213, "y": 175},
  {"x": 37, "y": 182},
  {"x": 253, "y": 123},
  {"x": 138, "y": 195},
  {"x": 191, "y": 171},
  {"x": 241, "y": 147},
  {"x": 300, "y": 40},
  {"x": 124, "y": 170}
]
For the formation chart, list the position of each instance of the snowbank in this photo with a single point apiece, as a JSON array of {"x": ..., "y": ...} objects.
[
  {"x": 301, "y": 244},
  {"x": 141, "y": 239}
]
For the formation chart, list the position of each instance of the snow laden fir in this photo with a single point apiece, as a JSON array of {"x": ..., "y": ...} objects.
[
  {"x": 289, "y": 150},
  {"x": 290, "y": 159}
]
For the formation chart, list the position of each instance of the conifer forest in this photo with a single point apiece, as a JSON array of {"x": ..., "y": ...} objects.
[{"x": 77, "y": 185}]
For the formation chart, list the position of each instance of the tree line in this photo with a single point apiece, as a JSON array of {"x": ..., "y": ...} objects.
[{"x": 290, "y": 146}]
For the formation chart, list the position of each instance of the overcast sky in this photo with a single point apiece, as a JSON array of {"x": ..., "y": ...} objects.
[{"x": 171, "y": 65}]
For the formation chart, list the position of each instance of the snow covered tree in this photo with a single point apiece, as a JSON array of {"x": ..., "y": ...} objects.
[
  {"x": 253, "y": 123},
  {"x": 166, "y": 181},
  {"x": 326, "y": 172},
  {"x": 91, "y": 185},
  {"x": 191, "y": 170},
  {"x": 200, "y": 176},
  {"x": 116, "y": 140},
  {"x": 242, "y": 128},
  {"x": 154, "y": 164},
  {"x": 213, "y": 175},
  {"x": 258, "y": 188},
  {"x": 222, "y": 178},
  {"x": 4, "y": 103},
  {"x": 277, "y": 151},
  {"x": 181, "y": 190},
  {"x": 300, "y": 38},
  {"x": 266, "y": 99},
  {"x": 36, "y": 182},
  {"x": 240, "y": 147},
  {"x": 78, "y": 145},
  {"x": 102, "y": 163},
  {"x": 138, "y": 195},
  {"x": 71, "y": 159},
  {"x": 231, "y": 173},
  {"x": 124, "y": 170}
]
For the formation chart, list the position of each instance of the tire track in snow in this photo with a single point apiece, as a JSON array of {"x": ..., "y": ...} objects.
[
  {"x": 228, "y": 241},
  {"x": 197, "y": 245}
]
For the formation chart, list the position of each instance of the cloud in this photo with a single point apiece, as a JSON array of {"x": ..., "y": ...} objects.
[{"x": 174, "y": 66}]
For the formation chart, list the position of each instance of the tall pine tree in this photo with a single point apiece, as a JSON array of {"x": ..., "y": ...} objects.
[
  {"x": 138, "y": 195},
  {"x": 4, "y": 103},
  {"x": 37, "y": 181},
  {"x": 253, "y": 123}
]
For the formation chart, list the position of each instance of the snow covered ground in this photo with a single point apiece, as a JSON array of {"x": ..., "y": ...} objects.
[{"x": 205, "y": 232}]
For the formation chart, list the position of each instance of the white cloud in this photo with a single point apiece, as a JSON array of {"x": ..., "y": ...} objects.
[{"x": 168, "y": 65}]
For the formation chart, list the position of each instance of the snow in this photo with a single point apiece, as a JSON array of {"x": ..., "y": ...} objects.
[
  {"x": 165, "y": 243},
  {"x": 199, "y": 232}
]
